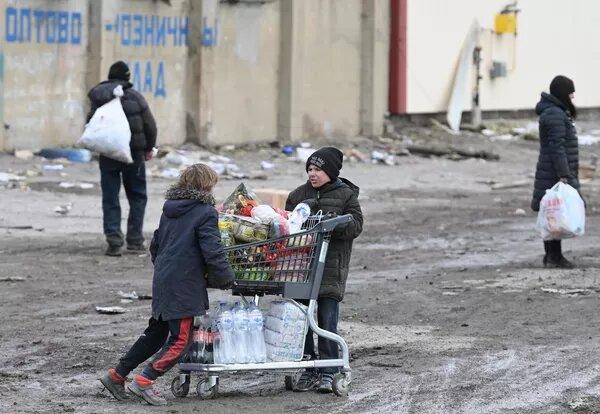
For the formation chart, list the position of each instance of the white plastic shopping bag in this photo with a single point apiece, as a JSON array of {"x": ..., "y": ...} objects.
[
  {"x": 562, "y": 213},
  {"x": 108, "y": 131}
]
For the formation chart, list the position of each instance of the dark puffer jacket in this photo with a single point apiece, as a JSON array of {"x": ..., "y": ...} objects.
[
  {"x": 339, "y": 197},
  {"x": 139, "y": 116},
  {"x": 559, "y": 148},
  {"x": 188, "y": 255}
]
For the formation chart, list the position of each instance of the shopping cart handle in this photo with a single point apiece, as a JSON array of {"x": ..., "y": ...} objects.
[{"x": 330, "y": 224}]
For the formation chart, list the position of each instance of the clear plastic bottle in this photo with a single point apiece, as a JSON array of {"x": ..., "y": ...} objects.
[
  {"x": 227, "y": 349},
  {"x": 258, "y": 351},
  {"x": 298, "y": 217},
  {"x": 240, "y": 335},
  {"x": 215, "y": 320}
]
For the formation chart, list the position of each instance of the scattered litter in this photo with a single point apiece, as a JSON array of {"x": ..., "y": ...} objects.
[
  {"x": 53, "y": 167},
  {"x": 219, "y": 158},
  {"x": 380, "y": 157},
  {"x": 303, "y": 153},
  {"x": 488, "y": 132},
  {"x": 31, "y": 173},
  {"x": 124, "y": 301},
  {"x": 24, "y": 154},
  {"x": 83, "y": 186},
  {"x": 6, "y": 177},
  {"x": 175, "y": 158},
  {"x": 110, "y": 310},
  {"x": 12, "y": 279},
  {"x": 229, "y": 148},
  {"x": 305, "y": 145},
  {"x": 71, "y": 154},
  {"x": 132, "y": 295},
  {"x": 520, "y": 212},
  {"x": 127, "y": 295},
  {"x": 356, "y": 154},
  {"x": 588, "y": 140},
  {"x": 63, "y": 209},
  {"x": 568, "y": 292},
  {"x": 266, "y": 165},
  {"x": 288, "y": 150}
]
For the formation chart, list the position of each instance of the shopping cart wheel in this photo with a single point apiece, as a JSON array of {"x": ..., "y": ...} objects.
[
  {"x": 179, "y": 389},
  {"x": 340, "y": 385},
  {"x": 290, "y": 382},
  {"x": 207, "y": 389}
]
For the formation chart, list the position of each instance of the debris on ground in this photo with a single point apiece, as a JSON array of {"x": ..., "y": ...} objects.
[
  {"x": 569, "y": 292},
  {"x": 380, "y": 157},
  {"x": 71, "y": 154},
  {"x": 24, "y": 154},
  {"x": 110, "y": 310},
  {"x": 63, "y": 209},
  {"x": 588, "y": 139},
  {"x": 83, "y": 186},
  {"x": 6, "y": 177},
  {"x": 53, "y": 167},
  {"x": 452, "y": 152},
  {"x": 520, "y": 212},
  {"x": 127, "y": 295},
  {"x": 12, "y": 279},
  {"x": 266, "y": 165},
  {"x": 302, "y": 153}
]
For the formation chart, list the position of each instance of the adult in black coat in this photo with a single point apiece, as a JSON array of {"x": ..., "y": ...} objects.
[
  {"x": 112, "y": 172},
  {"x": 327, "y": 192},
  {"x": 559, "y": 153},
  {"x": 188, "y": 258}
]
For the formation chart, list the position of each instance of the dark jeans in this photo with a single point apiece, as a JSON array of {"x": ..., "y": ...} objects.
[
  {"x": 327, "y": 316},
  {"x": 134, "y": 181},
  {"x": 553, "y": 249},
  {"x": 153, "y": 340}
]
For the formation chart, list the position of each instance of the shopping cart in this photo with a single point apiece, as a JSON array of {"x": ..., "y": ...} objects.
[{"x": 291, "y": 267}]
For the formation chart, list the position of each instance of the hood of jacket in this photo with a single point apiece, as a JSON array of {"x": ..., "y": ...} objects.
[
  {"x": 548, "y": 101},
  {"x": 181, "y": 200},
  {"x": 103, "y": 92}
]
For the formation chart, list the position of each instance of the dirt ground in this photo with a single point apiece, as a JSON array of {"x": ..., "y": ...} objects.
[{"x": 448, "y": 309}]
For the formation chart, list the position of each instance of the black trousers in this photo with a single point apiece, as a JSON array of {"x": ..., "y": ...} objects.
[
  {"x": 169, "y": 340},
  {"x": 134, "y": 181},
  {"x": 553, "y": 249},
  {"x": 327, "y": 317}
]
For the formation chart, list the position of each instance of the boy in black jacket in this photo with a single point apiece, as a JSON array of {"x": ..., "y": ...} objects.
[
  {"x": 185, "y": 247},
  {"x": 326, "y": 192}
]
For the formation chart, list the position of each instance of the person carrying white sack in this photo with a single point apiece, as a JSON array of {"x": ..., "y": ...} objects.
[
  {"x": 133, "y": 175},
  {"x": 558, "y": 159}
]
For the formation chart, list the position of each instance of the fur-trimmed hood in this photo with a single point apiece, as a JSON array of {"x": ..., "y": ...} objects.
[{"x": 181, "y": 200}]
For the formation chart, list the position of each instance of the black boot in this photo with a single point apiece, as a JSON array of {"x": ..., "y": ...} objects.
[
  {"x": 113, "y": 250},
  {"x": 554, "y": 257}
]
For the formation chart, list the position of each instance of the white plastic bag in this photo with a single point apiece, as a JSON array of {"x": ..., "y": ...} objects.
[
  {"x": 562, "y": 213},
  {"x": 108, "y": 131}
]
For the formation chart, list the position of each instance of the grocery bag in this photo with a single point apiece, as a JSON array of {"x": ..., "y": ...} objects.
[
  {"x": 562, "y": 213},
  {"x": 108, "y": 131}
]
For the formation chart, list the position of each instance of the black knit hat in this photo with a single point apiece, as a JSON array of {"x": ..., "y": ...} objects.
[
  {"x": 329, "y": 159},
  {"x": 561, "y": 87},
  {"x": 119, "y": 70}
]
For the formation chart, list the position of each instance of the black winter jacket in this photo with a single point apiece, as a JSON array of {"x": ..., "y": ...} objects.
[
  {"x": 188, "y": 256},
  {"x": 139, "y": 116},
  {"x": 339, "y": 197},
  {"x": 559, "y": 148}
]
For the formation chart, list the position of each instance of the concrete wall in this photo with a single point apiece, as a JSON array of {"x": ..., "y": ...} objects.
[
  {"x": 554, "y": 37},
  {"x": 44, "y": 46},
  {"x": 213, "y": 72}
]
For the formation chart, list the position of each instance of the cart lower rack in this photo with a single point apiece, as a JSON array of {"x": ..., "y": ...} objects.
[{"x": 291, "y": 267}]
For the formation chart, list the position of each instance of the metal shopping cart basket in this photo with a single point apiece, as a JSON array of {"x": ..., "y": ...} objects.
[{"x": 291, "y": 267}]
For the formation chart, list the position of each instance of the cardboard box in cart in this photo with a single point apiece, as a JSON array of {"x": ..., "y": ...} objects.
[{"x": 273, "y": 197}]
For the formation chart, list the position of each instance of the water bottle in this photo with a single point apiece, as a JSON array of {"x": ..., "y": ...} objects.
[
  {"x": 216, "y": 332},
  {"x": 258, "y": 351},
  {"x": 228, "y": 352},
  {"x": 298, "y": 217},
  {"x": 240, "y": 335}
]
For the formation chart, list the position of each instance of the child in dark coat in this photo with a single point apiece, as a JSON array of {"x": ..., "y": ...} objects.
[
  {"x": 325, "y": 191},
  {"x": 188, "y": 258}
]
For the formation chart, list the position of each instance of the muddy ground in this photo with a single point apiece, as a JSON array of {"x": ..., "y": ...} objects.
[{"x": 448, "y": 309}]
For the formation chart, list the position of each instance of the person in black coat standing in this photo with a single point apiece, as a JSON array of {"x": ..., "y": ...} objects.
[
  {"x": 559, "y": 153},
  {"x": 325, "y": 191},
  {"x": 143, "y": 138},
  {"x": 188, "y": 258}
]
